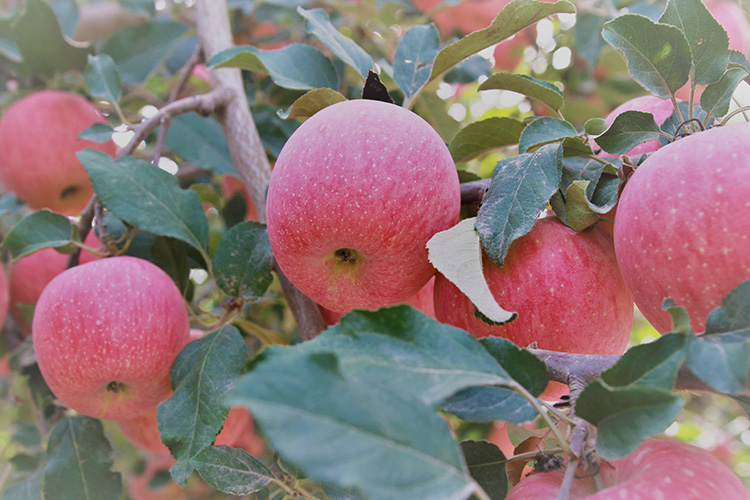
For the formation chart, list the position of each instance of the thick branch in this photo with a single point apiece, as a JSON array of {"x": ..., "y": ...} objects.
[{"x": 474, "y": 191}]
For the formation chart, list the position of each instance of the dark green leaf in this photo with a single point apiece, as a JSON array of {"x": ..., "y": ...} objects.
[
  {"x": 485, "y": 135},
  {"x": 485, "y": 404},
  {"x": 738, "y": 60},
  {"x": 543, "y": 131},
  {"x": 343, "y": 47},
  {"x": 67, "y": 15},
  {"x": 147, "y": 197},
  {"x": 102, "y": 78},
  {"x": 629, "y": 129},
  {"x": 595, "y": 126},
  {"x": 487, "y": 466},
  {"x": 231, "y": 470},
  {"x": 28, "y": 489},
  {"x": 708, "y": 42},
  {"x": 651, "y": 365},
  {"x": 337, "y": 493},
  {"x": 514, "y": 17},
  {"x": 41, "y": 43},
  {"x": 79, "y": 462},
  {"x": 274, "y": 131},
  {"x": 716, "y": 98},
  {"x": 523, "y": 366},
  {"x": 171, "y": 256},
  {"x": 626, "y": 416},
  {"x": 658, "y": 55},
  {"x": 38, "y": 230},
  {"x": 312, "y": 102},
  {"x": 350, "y": 431},
  {"x": 469, "y": 70},
  {"x": 412, "y": 63},
  {"x": 588, "y": 35},
  {"x": 534, "y": 88},
  {"x": 521, "y": 187},
  {"x": 669, "y": 126},
  {"x": 242, "y": 262},
  {"x": 98, "y": 132},
  {"x": 139, "y": 49},
  {"x": 296, "y": 66},
  {"x": 202, "y": 376},
  {"x": 200, "y": 141}
]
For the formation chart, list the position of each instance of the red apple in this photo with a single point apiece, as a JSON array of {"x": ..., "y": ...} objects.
[
  {"x": 106, "y": 334},
  {"x": 38, "y": 143},
  {"x": 508, "y": 54},
  {"x": 143, "y": 431},
  {"x": 230, "y": 185},
  {"x": 355, "y": 194},
  {"x": 422, "y": 300},
  {"x": 683, "y": 224},
  {"x": 658, "y": 469},
  {"x": 29, "y": 275},
  {"x": 4, "y": 365},
  {"x": 565, "y": 287},
  {"x": 660, "y": 108}
]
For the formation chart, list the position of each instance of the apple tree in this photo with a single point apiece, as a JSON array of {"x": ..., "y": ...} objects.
[{"x": 374, "y": 249}]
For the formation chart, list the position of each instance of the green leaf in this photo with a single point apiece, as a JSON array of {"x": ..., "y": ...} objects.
[
  {"x": 433, "y": 109},
  {"x": 457, "y": 254},
  {"x": 139, "y": 49},
  {"x": 28, "y": 489},
  {"x": 485, "y": 404},
  {"x": 79, "y": 462},
  {"x": 543, "y": 131},
  {"x": 658, "y": 55},
  {"x": 40, "y": 229},
  {"x": 651, "y": 365},
  {"x": 146, "y": 7},
  {"x": 67, "y": 15},
  {"x": 200, "y": 141},
  {"x": 296, "y": 66},
  {"x": 521, "y": 187},
  {"x": 626, "y": 416},
  {"x": 525, "y": 368},
  {"x": 716, "y": 98},
  {"x": 102, "y": 78},
  {"x": 588, "y": 35},
  {"x": 352, "y": 432},
  {"x": 469, "y": 70},
  {"x": 485, "y": 135},
  {"x": 629, "y": 129},
  {"x": 346, "y": 49},
  {"x": 585, "y": 193},
  {"x": 680, "y": 317},
  {"x": 708, "y": 42},
  {"x": 534, "y": 88},
  {"x": 202, "y": 376},
  {"x": 98, "y": 132},
  {"x": 415, "y": 53},
  {"x": 312, "y": 102},
  {"x": 487, "y": 466},
  {"x": 232, "y": 471},
  {"x": 669, "y": 126},
  {"x": 242, "y": 262},
  {"x": 170, "y": 255},
  {"x": 41, "y": 43},
  {"x": 147, "y": 197},
  {"x": 514, "y": 17}
]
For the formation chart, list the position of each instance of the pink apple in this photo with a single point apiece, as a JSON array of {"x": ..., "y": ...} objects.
[
  {"x": 422, "y": 300},
  {"x": 660, "y": 108},
  {"x": 29, "y": 275},
  {"x": 658, "y": 469},
  {"x": 230, "y": 185},
  {"x": 143, "y": 431},
  {"x": 106, "y": 334},
  {"x": 565, "y": 287},
  {"x": 356, "y": 192},
  {"x": 683, "y": 224},
  {"x": 38, "y": 145},
  {"x": 508, "y": 54}
]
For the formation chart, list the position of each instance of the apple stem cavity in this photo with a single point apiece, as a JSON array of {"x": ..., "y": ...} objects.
[
  {"x": 347, "y": 255},
  {"x": 116, "y": 387}
]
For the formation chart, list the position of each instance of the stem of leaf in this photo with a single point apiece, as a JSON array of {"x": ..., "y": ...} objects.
[
  {"x": 734, "y": 113},
  {"x": 532, "y": 454},
  {"x": 563, "y": 443},
  {"x": 677, "y": 107}
]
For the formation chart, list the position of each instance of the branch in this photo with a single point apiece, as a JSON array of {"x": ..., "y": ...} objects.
[{"x": 474, "y": 191}]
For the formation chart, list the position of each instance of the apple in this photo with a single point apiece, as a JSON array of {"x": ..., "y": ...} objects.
[
  {"x": 565, "y": 288},
  {"x": 29, "y": 275},
  {"x": 422, "y": 300},
  {"x": 38, "y": 145},
  {"x": 658, "y": 469},
  {"x": 4, "y": 295},
  {"x": 682, "y": 225},
  {"x": 355, "y": 194},
  {"x": 734, "y": 20},
  {"x": 660, "y": 108},
  {"x": 143, "y": 430},
  {"x": 230, "y": 185},
  {"x": 508, "y": 54},
  {"x": 106, "y": 334},
  {"x": 4, "y": 366}
]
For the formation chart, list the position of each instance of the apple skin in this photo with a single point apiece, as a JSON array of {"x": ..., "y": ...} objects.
[
  {"x": 356, "y": 193},
  {"x": 38, "y": 143},
  {"x": 143, "y": 431},
  {"x": 422, "y": 300},
  {"x": 29, "y": 275},
  {"x": 658, "y": 469},
  {"x": 565, "y": 287},
  {"x": 106, "y": 334},
  {"x": 683, "y": 224},
  {"x": 660, "y": 108}
]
